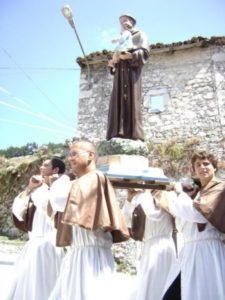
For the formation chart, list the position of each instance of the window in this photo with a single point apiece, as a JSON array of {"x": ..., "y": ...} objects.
[
  {"x": 156, "y": 100},
  {"x": 156, "y": 104}
]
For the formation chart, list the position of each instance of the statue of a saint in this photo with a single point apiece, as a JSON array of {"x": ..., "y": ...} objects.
[{"x": 124, "y": 117}]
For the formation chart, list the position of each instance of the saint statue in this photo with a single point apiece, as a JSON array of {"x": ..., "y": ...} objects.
[{"x": 124, "y": 116}]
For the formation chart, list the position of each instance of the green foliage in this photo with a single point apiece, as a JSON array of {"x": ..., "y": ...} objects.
[
  {"x": 9, "y": 241},
  {"x": 13, "y": 180},
  {"x": 123, "y": 266},
  {"x": 2, "y": 162},
  {"x": 30, "y": 149},
  {"x": 3, "y": 173},
  {"x": 55, "y": 148},
  {"x": 173, "y": 157}
]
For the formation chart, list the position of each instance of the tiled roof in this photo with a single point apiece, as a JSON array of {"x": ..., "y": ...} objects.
[{"x": 105, "y": 55}]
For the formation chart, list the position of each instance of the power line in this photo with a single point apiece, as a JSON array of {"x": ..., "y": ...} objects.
[
  {"x": 17, "y": 99},
  {"x": 37, "y": 87},
  {"x": 34, "y": 126},
  {"x": 41, "y": 68},
  {"x": 28, "y": 107},
  {"x": 39, "y": 115}
]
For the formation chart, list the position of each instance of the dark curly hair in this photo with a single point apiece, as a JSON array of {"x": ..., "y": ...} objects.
[
  {"x": 204, "y": 155},
  {"x": 58, "y": 163}
]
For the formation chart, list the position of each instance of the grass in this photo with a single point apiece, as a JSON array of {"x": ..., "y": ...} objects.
[{"x": 14, "y": 242}]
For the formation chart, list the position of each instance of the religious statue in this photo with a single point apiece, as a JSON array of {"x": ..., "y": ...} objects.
[{"x": 124, "y": 117}]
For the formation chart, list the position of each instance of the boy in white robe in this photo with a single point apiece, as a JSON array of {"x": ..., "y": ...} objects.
[
  {"x": 202, "y": 257},
  {"x": 158, "y": 266},
  {"x": 37, "y": 266}
]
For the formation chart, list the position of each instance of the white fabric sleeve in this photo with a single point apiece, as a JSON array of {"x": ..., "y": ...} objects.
[
  {"x": 40, "y": 198},
  {"x": 59, "y": 192},
  {"x": 127, "y": 211},
  {"x": 146, "y": 201},
  {"x": 19, "y": 207},
  {"x": 152, "y": 212},
  {"x": 182, "y": 207}
]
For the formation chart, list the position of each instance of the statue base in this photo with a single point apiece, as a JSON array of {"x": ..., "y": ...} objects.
[
  {"x": 128, "y": 162},
  {"x": 132, "y": 171}
]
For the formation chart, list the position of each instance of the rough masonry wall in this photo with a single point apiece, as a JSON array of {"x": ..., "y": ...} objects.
[{"x": 192, "y": 83}]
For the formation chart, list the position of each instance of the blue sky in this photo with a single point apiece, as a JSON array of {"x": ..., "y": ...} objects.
[{"x": 39, "y": 76}]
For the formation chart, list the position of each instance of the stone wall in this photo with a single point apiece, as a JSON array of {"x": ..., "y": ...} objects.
[{"x": 187, "y": 80}]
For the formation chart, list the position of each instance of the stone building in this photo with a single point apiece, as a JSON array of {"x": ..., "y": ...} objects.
[{"x": 183, "y": 93}]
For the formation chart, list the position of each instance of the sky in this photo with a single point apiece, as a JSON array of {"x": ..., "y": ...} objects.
[{"x": 39, "y": 76}]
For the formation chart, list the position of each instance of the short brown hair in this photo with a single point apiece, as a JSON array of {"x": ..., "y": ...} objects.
[{"x": 204, "y": 155}]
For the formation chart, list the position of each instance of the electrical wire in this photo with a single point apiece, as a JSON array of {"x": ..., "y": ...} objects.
[
  {"x": 34, "y": 126},
  {"x": 34, "y": 83},
  {"x": 20, "y": 101},
  {"x": 41, "y": 68},
  {"x": 39, "y": 115},
  {"x": 17, "y": 99}
]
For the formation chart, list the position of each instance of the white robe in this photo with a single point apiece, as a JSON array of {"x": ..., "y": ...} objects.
[
  {"x": 158, "y": 266},
  {"x": 59, "y": 192},
  {"x": 87, "y": 269},
  {"x": 203, "y": 254},
  {"x": 37, "y": 266}
]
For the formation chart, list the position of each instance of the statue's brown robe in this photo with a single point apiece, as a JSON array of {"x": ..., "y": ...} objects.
[
  {"x": 92, "y": 204},
  {"x": 124, "y": 116}
]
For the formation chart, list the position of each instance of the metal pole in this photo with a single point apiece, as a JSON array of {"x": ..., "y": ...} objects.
[{"x": 68, "y": 14}]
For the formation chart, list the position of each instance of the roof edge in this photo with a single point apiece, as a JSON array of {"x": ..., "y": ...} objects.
[{"x": 104, "y": 55}]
